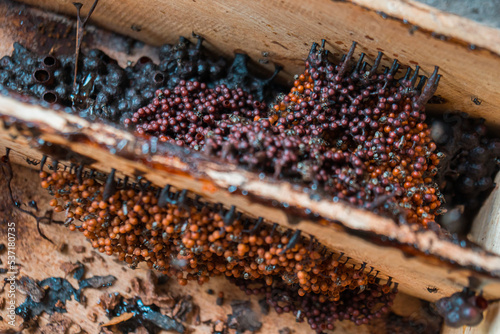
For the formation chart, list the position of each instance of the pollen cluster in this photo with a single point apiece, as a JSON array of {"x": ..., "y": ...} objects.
[{"x": 192, "y": 240}]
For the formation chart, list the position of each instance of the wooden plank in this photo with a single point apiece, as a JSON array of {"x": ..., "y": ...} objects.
[
  {"x": 284, "y": 30},
  {"x": 486, "y": 228},
  {"x": 421, "y": 261},
  {"x": 416, "y": 274},
  {"x": 441, "y": 23}
]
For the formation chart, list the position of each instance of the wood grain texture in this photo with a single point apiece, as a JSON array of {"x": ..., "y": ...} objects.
[
  {"x": 416, "y": 260},
  {"x": 486, "y": 228},
  {"x": 285, "y": 29},
  {"x": 423, "y": 16}
]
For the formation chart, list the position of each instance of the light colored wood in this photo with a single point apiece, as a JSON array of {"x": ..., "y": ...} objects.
[
  {"x": 285, "y": 29},
  {"x": 40, "y": 259},
  {"x": 426, "y": 17},
  {"x": 486, "y": 228},
  {"x": 406, "y": 305},
  {"x": 416, "y": 269},
  {"x": 486, "y": 232}
]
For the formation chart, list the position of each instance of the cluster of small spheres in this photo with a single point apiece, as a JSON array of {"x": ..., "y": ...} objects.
[
  {"x": 462, "y": 308},
  {"x": 186, "y": 238},
  {"x": 374, "y": 126},
  {"x": 107, "y": 91},
  {"x": 191, "y": 113},
  {"x": 359, "y": 307},
  {"x": 351, "y": 132},
  {"x": 466, "y": 170}
]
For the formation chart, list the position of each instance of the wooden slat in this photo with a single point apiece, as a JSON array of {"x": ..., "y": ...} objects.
[
  {"x": 486, "y": 228},
  {"x": 429, "y": 18},
  {"x": 285, "y": 29}
]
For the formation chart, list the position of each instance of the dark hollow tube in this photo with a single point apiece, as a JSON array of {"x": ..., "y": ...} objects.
[
  {"x": 50, "y": 96},
  {"x": 50, "y": 62},
  {"x": 159, "y": 78},
  {"x": 42, "y": 76}
]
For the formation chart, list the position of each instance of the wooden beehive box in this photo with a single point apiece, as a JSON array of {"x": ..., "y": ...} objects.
[{"x": 280, "y": 32}]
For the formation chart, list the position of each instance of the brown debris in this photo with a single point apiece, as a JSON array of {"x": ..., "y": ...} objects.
[
  {"x": 243, "y": 317},
  {"x": 219, "y": 327},
  {"x": 285, "y": 330},
  {"x": 30, "y": 287},
  {"x": 69, "y": 267},
  {"x": 88, "y": 259},
  {"x": 146, "y": 290},
  {"x": 62, "y": 247},
  {"x": 108, "y": 301},
  {"x": 98, "y": 256},
  {"x": 196, "y": 315},
  {"x": 97, "y": 282},
  {"x": 57, "y": 324},
  {"x": 75, "y": 329},
  {"x": 105, "y": 330},
  {"x": 183, "y": 307}
]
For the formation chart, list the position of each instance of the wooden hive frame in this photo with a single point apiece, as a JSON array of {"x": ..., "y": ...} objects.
[{"x": 360, "y": 234}]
